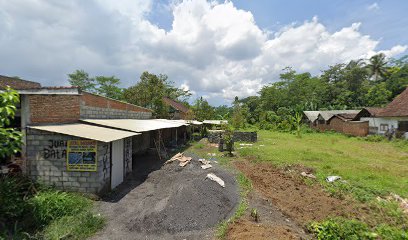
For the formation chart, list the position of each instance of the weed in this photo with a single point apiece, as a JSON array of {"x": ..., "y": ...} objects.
[
  {"x": 52, "y": 205},
  {"x": 78, "y": 227},
  {"x": 345, "y": 229}
]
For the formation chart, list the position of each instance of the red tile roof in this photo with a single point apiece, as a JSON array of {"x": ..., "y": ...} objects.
[
  {"x": 176, "y": 105},
  {"x": 398, "y": 107}
]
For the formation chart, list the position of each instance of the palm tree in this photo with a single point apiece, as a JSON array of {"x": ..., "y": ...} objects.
[{"x": 377, "y": 66}]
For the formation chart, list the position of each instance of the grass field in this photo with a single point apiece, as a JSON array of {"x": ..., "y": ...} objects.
[{"x": 370, "y": 168}]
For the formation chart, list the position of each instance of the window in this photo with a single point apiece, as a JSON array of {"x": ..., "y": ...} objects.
[{"x": 383, "y": 127}]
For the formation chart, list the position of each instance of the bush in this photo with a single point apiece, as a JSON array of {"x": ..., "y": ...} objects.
[
  {"x": 341, "y": 229},
  {"x": 14, "y": 191},
  {"x": 374, "y": 138},
  {"x": 79, "y": 226},
  {"x": 344, "y": 229},
  {"x": 52, "y": 205}
]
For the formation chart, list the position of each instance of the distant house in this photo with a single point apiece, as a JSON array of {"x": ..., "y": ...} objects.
[
  {"x": 393, "y": 116},
  {"x": 337, "y": 120},
  {"x": 177, "y": 109}
]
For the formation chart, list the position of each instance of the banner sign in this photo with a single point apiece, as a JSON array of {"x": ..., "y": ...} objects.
[{"x": 81, "y": 155}]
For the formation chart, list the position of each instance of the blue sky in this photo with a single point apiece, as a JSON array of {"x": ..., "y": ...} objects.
[{"x": 217, "y": 49}]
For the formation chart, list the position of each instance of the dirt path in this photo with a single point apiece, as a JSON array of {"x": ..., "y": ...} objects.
[{"x": 173, "y": 202}]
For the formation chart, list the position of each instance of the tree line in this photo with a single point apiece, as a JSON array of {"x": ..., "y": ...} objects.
[{"x": 359, "y": 83}]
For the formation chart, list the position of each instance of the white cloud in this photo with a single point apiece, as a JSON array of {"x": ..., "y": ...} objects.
[
  {"x": 213, "y": 49},
  {"x": 374, "y": 7}
]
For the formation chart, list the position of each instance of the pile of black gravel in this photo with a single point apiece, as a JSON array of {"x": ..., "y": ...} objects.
[{"x": 183, "y": 199}]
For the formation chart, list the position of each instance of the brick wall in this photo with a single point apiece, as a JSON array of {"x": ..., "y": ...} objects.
[
  {"x": 54, "y": 108},
  {"x": 354, "y": 128},
  {"x": 97, "y": 107},
  {"x": 16, "y": 83},
  {"x": 46, "y": 161}
]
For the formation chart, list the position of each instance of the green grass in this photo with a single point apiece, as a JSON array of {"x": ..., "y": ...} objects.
[
  {"x": 370, "y": 168},
  {"x": 79, "y": 226}
]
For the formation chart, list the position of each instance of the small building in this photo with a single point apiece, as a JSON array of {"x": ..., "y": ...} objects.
[
  {"x": 80, "y": 141},
  {"x": 393, "y": 116},
  {"x": 337, "y": 120},
  {"x": 177, "y": 109}
]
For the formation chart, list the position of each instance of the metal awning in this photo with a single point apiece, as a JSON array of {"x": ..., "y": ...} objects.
[
  {"x": 135, "y": 125},
  {"x": 101, "y": 134}
]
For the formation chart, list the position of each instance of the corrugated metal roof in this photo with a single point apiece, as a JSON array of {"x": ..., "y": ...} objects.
[
  {"x": 188, "y": 122},
  {"x": 326, "y": 115},
  {"x": 101, "y": 134},
  {"x": 176, "y": 123},
  {"x": 311, "y": 115},
  {"x": 135, "y": 125},
  {"x": 215, "y": 122}
]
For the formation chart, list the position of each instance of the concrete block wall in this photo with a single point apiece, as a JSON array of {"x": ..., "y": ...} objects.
[
  {"x": 239, "y": 136},
  {"x": 110, "y": 113},
  {"x": 46, "y": 162}
]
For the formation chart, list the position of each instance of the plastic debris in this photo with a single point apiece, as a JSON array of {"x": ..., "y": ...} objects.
[
  {"x": 246, "y": 144},
  {"x": 203, "y": 161},
  {"x": 309, "y": 175},
  {"x": 181, "y": 158},
  {"x": 333, "y": 178},
  {"x": 206, "y": 166},
  {"x": 216, "y": 179},
  {"x": 212, "y": 154}
]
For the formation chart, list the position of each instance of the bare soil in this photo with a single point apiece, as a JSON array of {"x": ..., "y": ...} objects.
[
  {"x": 286, "y": 193},
  {"x": 272, "y": 223}
]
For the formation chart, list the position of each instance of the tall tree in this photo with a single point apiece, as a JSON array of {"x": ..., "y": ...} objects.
[
  {"x": 81, "y": 79},
  {"x": 203, "y": 110},
  {"x": 377, "y": 66},
  {"x": 109, "y": 87},
  {"x": 151, "y": 89}
]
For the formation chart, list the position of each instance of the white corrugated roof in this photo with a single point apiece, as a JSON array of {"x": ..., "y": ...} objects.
[
  {"x": 135, "y": 125},
  {"x": 326, "y": 115},
  {"x": 216, "y": 122},
  {"x": 311, "y": 115},
  {"x": 101, "y": 134}
]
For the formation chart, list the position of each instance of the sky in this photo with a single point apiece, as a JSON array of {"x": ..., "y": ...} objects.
[{"x": 215, "y": 49}]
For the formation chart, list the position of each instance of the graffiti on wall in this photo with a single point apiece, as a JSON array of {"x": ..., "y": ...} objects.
[
  {"x": 128, "y": 154},
  {"x": 105, "y": 161},
  {"x": 56, "y": 149}
]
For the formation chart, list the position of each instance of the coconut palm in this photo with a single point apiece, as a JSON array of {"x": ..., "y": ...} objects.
[{"x": 377, "y": 66}]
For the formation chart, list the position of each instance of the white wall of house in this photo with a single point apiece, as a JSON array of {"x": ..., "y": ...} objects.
[{"x": 382, "y": 124}]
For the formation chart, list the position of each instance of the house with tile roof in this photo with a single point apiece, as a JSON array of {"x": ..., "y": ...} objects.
[
  {"x": 393, "y": 116},
  {"x": 177, "y": 109}
]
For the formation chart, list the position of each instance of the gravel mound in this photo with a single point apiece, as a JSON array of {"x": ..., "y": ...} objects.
[{"x": 183, "y": 199}]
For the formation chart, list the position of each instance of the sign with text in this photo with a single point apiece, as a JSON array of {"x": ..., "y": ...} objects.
[{"x": 81, "y": 155}]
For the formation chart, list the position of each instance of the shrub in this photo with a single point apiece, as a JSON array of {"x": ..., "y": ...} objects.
[
  {"x": 52, "y": 205},
  {"x": 14, "y": 191},
  {"x": 374, "y": 138},
  {"x": 345, "y": 229},
  {"x": 341, "y": 229},
  {"x": 79, "y": 226}
]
